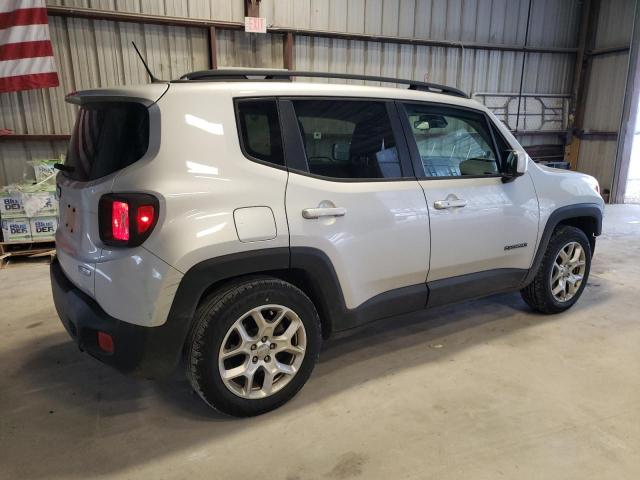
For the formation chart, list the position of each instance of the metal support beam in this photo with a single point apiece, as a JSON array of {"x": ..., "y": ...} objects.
[
  {"x": 586, "y": 42},
  {"x": 578, "y": 70},
  {"x": 609, "y": 50},
  {"x": 525, "y": 133},
  {"x": 213, "y": 49},
  {"x": 287, "y": 53},
  {"x": 427, "y": 43},
  {"x": 251, "y": 8},
  {"x": 145, "y": 18},
  {"x": 582, "y": 81},
  {"x": 117, "y": 16},
  {"x": 524, "y": 61},
  {"x": 596, "y": 135},
  {"x": 34, "y": 137},
  {"x": 630, "y": 113}
]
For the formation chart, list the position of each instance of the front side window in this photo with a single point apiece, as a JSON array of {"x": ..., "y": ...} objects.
[
  {"x": 452, "y": 142},
  {"x": 350, "y": 139},
  {"x": 260, "y": 130}
]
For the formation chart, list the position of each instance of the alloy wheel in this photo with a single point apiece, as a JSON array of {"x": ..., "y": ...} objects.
[
  {"x": 568, "y": 271},
  {"x": 262, "y": 351}
]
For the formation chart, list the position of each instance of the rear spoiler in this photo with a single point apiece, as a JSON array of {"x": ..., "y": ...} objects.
[{"x": 144, "y": 94}]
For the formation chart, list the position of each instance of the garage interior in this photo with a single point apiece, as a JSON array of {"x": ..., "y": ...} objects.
[{"x": 485, "y": 389}]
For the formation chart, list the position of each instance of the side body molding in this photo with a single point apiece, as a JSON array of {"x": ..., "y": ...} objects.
[{"x": 328, "y": 294}]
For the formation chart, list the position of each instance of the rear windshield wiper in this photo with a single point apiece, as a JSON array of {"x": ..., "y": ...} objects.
[{"x": 63, "y": 168}]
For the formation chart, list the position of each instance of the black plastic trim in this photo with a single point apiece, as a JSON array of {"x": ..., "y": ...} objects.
[
  {"x": 354, "y": 180},
  {"x": 138, "y": 350},
  {"x": 474, "y": 285},
  {"x": 202, "y": 276},
  {"x": 285, "y": 75},
  {"x": 294, "y": 153},
  {"x": 590, "y": 210},
  {"x": 327, "y": 289}
]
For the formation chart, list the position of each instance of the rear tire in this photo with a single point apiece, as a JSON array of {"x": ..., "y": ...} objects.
[
  {"x": 563, "y": 272},
  {"x": 253, "y": 346}
]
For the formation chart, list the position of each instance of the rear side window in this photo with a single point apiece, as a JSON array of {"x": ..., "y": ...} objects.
[
  {"x": 107, "y": 137},
  {"x": 260, "y": 130},
  {"x": 349, "y": 139}
]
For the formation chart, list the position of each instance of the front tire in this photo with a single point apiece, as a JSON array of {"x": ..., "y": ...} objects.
[
  {"x": 253, "y": 346},
  {"x": 563, "y": 272}
]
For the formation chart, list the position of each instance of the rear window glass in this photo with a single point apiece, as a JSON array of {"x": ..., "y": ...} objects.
[
  {"x": 348, "y": 138},
  {"x": 107, "y": 137},
  {"x": 260, "y": 130}
]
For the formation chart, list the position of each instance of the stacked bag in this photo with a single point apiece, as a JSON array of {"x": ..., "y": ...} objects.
[{"x": 29, "y": 212}]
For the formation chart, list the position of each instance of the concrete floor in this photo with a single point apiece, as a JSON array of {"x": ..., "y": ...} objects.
[{"x": 482, "y": 390}]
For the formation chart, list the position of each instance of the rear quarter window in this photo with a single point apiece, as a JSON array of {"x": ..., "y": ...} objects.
[
  {"x": 107, "y": 137},
  {"x": 259, "y": 128}
]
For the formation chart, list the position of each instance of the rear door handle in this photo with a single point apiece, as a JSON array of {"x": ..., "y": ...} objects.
[
  {"x": 443, "y": 204},
  {"x": 324, "y": 212}
]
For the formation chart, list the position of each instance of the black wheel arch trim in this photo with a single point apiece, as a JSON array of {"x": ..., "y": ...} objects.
[
  {"x": 205, "y": 275},
  {"x": 306, "y": 267},
  {"x": 580, "y": 210}
]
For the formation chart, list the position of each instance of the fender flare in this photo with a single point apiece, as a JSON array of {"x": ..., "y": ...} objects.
[
  {"x": 320, "y": 280},
  {"x": 590, "y": 210},
  {"x": 169, "y": 340}
]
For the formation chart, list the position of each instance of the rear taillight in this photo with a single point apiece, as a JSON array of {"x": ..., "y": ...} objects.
[
  {"x": 127, "y": 219},
  {"x": 120, "y": 221},
  {"x": 145, "y": 217}
]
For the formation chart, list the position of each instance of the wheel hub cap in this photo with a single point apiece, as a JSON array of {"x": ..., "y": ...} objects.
[{"x": 262, "y": 351}]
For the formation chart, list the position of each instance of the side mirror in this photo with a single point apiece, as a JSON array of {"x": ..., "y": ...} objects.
[{"x": 515, "y": 165}]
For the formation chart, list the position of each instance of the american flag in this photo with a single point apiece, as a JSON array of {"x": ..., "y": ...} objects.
[{"x": 26, "y": 55}]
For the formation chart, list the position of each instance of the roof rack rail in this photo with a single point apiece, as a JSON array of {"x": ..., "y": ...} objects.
[{"x": 227, "y": 75}]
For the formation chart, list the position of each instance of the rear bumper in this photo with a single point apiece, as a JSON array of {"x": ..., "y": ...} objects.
[{"x": 141, "y": 351}]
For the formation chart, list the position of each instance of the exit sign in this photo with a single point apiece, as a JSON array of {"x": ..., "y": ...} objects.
[{"x": 255, "y": 24}]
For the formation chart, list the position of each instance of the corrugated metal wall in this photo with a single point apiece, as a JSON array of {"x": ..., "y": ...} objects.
[
  {"x": 607, "y": 78},
  {"x": 97, "y": 53}
]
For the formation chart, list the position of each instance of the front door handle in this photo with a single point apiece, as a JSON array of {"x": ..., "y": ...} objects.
[
  {"x": 449, "y": 203},
  {"x": 324, "y": 212}
]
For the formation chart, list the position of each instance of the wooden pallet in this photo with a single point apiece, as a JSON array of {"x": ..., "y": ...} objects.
[{"x": 30, "y": 249}]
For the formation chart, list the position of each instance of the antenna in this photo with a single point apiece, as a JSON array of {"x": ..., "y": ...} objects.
[{"x": 146, "y": 67}]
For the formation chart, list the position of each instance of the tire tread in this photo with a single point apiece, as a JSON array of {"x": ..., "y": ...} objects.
[
  {"x": 536, "y": 294},
  {"x": 207, "y": 313}
]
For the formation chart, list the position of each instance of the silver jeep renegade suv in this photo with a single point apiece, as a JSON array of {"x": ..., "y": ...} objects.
[{"x": 235, "y": 221}]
